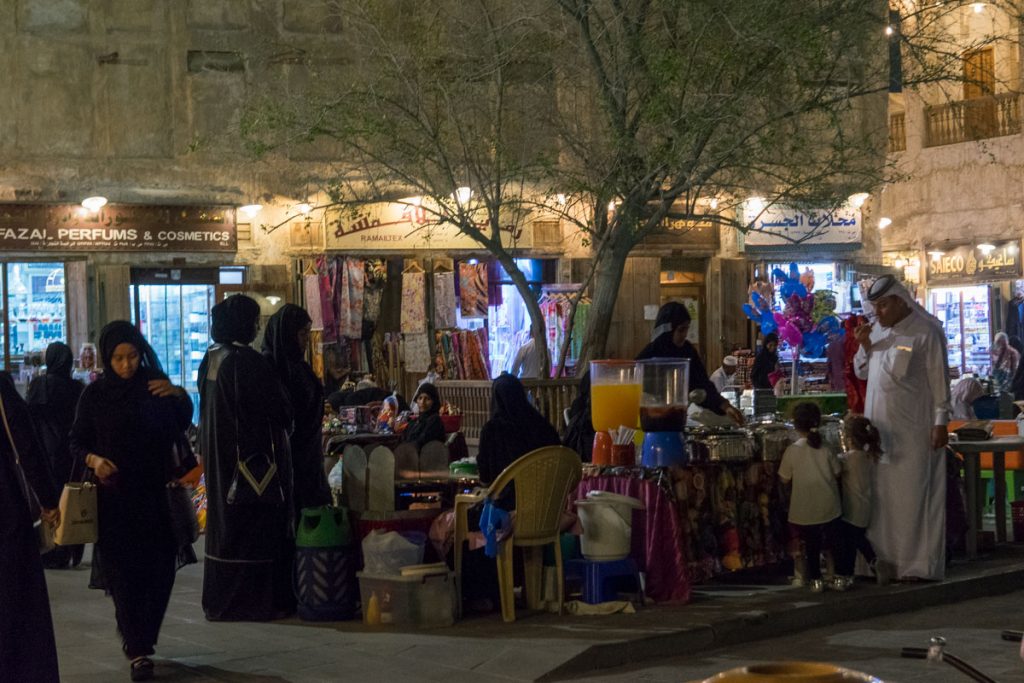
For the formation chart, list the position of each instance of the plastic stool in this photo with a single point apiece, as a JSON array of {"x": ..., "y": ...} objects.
[{"x": 602, "y": 581}]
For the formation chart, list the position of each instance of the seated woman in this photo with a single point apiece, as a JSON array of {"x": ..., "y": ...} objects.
[
  {"x": 427, "y": 426},
  {"x": 514, "y": 429}
]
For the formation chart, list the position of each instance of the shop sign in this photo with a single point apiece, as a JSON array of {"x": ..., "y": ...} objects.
[
  {"x": 401, "y": 227},
  {"x": 965, "y": 263},
  {"x": 782, "y": 226},
  {"x": 692, "y": 233},
  {"x": 34, "y": 227}
]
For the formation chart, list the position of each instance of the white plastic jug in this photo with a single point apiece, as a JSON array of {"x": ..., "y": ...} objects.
[{"x": 607, "y": 525}]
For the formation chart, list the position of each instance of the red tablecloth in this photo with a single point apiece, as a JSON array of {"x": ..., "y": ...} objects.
[{"x": 657, "y": 538}]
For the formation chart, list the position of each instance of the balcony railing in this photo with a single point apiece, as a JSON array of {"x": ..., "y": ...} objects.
[
  {"x": 897, "y": 132},
  {"x": 976, "y": 119}
]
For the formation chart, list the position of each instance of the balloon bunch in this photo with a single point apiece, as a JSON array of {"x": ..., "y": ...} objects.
[
  {"x": 807, "y": 320},
  {"x": 760, "y": 311}
]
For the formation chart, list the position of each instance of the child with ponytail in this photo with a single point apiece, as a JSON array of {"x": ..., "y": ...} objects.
[
  {"x": 858, "y": 473},
  {"x": 814, "y": 503}
]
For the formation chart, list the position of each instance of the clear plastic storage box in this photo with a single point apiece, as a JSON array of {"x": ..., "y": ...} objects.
[{"x": 420, "y": 601}]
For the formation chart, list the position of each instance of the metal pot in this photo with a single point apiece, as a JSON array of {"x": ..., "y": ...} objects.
[{"x": 773, "y": 438}]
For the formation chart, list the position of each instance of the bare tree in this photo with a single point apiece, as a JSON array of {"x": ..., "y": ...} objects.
[{"x": 615, "y": 114}]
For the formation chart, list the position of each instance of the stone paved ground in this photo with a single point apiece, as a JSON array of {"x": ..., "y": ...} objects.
[{"x": 536, "y": 646}]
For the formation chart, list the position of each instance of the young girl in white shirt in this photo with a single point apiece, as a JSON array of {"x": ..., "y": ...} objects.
[
  {"x": 814, "y": 503},
  {"x": 858, "y": 498}
]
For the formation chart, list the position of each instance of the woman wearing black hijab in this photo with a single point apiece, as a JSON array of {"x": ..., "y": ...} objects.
[
  {"x": 243, "y": 410},
  {"x": 670, "y": 330},
  {"x": 284, "y": 345},
  {"x": 766, "y": 362},
  {"x": 127, "y": 424},
  {"x": 514, "y": 429},
  {"x": 427, "y": 426},
  {"x": 27, "y": 648},
  {"x": 52, "y": 399}
]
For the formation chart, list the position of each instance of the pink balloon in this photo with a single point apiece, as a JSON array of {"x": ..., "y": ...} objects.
[{"x": 791, "y": 334}]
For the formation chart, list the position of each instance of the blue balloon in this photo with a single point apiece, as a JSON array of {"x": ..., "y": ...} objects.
[
  {"x": 749, "y": 310},
  {"x": 813, "y": 344},
  {"x": 829, "y": 325},
  {"x": 791, "y": 288},
  {"x": 759, "y": 302},
  {"x": 768, "y": 326}
]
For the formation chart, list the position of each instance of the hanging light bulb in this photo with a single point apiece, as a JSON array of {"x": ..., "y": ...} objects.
[
  {"x": 560, "y": 198},
  {"x": 304, "y": 208},
  {"x": 884, "y": 222},
  {"x": 463, "y": 194},
  {"x": 978, "y": 7},
  {"x": 755, "y": 204},
  {"x": 889, "y": 30},
  {"x": 713, "y": 203}
]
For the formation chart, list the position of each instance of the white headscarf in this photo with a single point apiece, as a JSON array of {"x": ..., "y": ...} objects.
[{"x": 887, "y": 285}]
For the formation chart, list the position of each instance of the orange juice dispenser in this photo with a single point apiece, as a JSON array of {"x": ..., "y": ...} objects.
[
  {"x": 665, "y": 386},
  {"x": 614, "y": 402}
]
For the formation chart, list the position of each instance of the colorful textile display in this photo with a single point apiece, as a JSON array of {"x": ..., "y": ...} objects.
[
  {"x": 556, "y": 306},
  {"x": 473, "y": 290},
  {"x": 414, "y": 313},
  {"x": 324, "y": 269},
  {"x": 417, "y": 352},
  {"x": 444, "y": 300},
  {"x": 462, "y": 354},
  {"x": 350, "y": 299},
  {"x": 375, "y": 277},
  {"x": 311, "y": 290}
]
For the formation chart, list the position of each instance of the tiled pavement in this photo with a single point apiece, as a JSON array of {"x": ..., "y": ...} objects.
[{"x": 485, "y": 649}]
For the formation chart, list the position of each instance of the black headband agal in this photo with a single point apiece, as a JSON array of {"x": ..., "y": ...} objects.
[{"x": 881, "y": 287}]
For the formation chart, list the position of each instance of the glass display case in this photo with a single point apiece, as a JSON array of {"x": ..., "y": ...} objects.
[{"x": 964, "y": 312}]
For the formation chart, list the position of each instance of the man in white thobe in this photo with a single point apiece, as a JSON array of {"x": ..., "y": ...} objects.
[
  {"x": 724, "y": 378},
  {"x": 903, "y": 358}
]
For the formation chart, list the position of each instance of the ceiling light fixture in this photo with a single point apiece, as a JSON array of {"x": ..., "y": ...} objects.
[
  {"x": 857, "y": 199},
  {"x": 936, "y": 254},
  {"x": 304, "y": 208},
  {"x": 884, "y": 222},
  {"x": 978, "y": 7},
  {"x": 986, "y": 248},
  {"x": 463, "y": 194},
  {"x": 250, "y": 210},
  {"x": 94, "y": 203},
  {"x": 889, "y": 30},
  {"x": 560, "y": 198}
]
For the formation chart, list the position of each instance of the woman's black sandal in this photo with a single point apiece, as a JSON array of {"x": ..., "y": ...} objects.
[{"x": 142, "y": 669}]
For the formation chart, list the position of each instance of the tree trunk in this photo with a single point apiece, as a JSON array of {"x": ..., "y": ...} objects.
[
  {"x": 532, "y": 306},
  {"x": 607, "y": 278}
]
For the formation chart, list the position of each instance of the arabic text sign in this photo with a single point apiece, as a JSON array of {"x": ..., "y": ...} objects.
[
  {"x": 966, "y": 263},
  {"x": 33, "y": 227},
  {"x": 398, "y": 226},
  {"x": 784, "y": 226}
]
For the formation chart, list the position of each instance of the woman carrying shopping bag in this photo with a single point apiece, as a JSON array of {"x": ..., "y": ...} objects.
[{"x": 127, "y": 424}]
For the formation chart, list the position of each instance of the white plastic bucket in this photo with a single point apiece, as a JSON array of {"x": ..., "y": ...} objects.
[{"x": 607, "y": 525}]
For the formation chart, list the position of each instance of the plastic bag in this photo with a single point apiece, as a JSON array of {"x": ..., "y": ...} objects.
[
  {"x": 386, "y": 552},
  {"x": 335, "y": 478}
]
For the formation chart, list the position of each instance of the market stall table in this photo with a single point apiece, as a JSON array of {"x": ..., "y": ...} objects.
[{"x": 971, "y": 452}]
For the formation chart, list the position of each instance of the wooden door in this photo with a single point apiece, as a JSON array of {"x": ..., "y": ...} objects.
[
  {"x": 629, "y": 331},
  {"x": 980, "y": 120}
]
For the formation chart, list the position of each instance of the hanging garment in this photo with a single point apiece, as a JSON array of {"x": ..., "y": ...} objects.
[
  {"x": 375, "y": 277},
  {"x": 444, "y": 300},
  {"x": 473, "y": 290},
  {"x": 327, "y": 317},
  {"x": 414, "y": 311},
  {"x": 311, "y": 289},
  {"x": 350, "y": 301}
]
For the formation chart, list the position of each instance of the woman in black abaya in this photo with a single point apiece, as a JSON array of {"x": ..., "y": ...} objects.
[
  {"x": 125, "y": 430},
  {"x": 671, "y": 328},
  {"x": 250, "y": 546},
  {"x": 284, "y": 345},
  {"x": 27, "y": 648},
  {"x": 427, "y": 426},
  {"x": 52, "y": 399}
]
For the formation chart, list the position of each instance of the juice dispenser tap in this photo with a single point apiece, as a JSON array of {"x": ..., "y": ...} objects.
[{"x": 665, "y": 384}]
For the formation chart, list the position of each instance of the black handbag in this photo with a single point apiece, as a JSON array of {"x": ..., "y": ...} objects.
[
  {"x": 255, "y": 481},
  {"x": 184, "y": 523}
]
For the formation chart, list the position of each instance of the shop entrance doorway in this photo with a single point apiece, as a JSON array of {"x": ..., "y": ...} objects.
[{"x": 172, "y": 310}]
